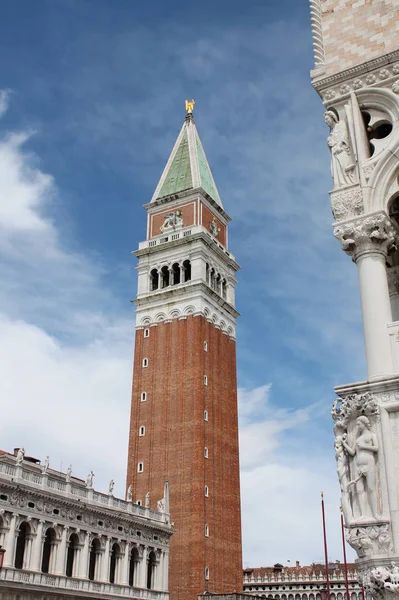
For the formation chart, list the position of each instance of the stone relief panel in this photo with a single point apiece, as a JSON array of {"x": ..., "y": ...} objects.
[{"x": 346, "y": 203}]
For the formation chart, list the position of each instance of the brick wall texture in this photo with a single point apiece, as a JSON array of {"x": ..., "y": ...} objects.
[
  {"x": 173, "y": 448},
  {"x": 356, "y": 31}
]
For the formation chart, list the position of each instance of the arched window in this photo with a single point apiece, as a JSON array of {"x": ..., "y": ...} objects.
[
  {"x": 219, "y": 284},
  {"x": 176, "y": 273},
  {"x": 207, "y": 273},
  {"x": 114, "y": 563},
  {"x": 151, "y": 570},
  {"x": 213, "y": 279},
  {"x": 154, "y": 280},
  {"x": 24, "y": 531},
  {"x": 164, "y": 277},
  {"x": 133, "y": 567},
  {"x": 224, "y": 289},
  {"x": 48, "y": 551},
  {"x": 94, "y": 558},
  {"x": 71, "y": 563},
  {"x": 187, "y": 270}
]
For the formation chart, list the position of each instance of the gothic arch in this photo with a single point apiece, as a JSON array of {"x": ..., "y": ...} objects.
[{"x": 385, "y": 161}]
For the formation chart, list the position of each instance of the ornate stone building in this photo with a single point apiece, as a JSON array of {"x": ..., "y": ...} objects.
[
  {"x": 302, "y": 583},
  {"x": 184, "y": 423},
  {"x": 62, "y": 539},
  {"x": 357, "y": 77}
]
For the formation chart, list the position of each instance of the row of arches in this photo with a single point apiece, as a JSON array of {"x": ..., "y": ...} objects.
[
  {"x": 72, "y": 566},
  {"x": 216, "y": 281},
  {"x": 311, "y": 596},
  {"x": 166, "y": 276}
]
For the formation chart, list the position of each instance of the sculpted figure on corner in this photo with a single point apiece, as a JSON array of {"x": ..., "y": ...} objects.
[
  {"x": 364, "y": 453},
  {"x": 342, "y": 165}
]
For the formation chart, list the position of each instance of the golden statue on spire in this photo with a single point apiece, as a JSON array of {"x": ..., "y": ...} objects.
[{"x": 190, "y": 106}]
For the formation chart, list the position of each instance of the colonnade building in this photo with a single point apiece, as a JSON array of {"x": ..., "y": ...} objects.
[
  {"x": 61, "y": 536},
  {"x": 302, "y": 582}
]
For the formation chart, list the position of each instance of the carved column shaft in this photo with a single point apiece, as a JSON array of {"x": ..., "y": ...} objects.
[
  {"x": 37, "y": 548},
  {"x": 368, "y": 240},
  {"x": 10, "y": 546}
]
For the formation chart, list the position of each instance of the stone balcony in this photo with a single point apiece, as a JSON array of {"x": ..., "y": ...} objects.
[
  {"x": 179, "y": 234},
  {"x": 13, "y": 578}
]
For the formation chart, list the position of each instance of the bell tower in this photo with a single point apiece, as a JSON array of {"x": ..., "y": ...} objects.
[
  {"x": 184, "y": 424},
  {"x": 356, "y": 74}
]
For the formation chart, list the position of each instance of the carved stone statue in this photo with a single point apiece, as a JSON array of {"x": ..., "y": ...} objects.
[
  {"x": 111, "y": 487},
  {"x": 343, "y": 476},
  {"x": 20, "y": 455},
  {"x": 129, "y": 493},
  {"x": 342, "y": 165},
  {"x": 46, "y": 465},
  {"x": 89, "y": 480},
  {"x": 147, "y": 500},
  {"x": 190, "y": 106},
  {"x": 213, "y": 228},
  {"x": 161, "y": 505},
  {"x": 364, "y": 453},
  {"x": 172, "y": 220},
  {"x": 68, "y": 474},
  {"x": 395, "y": 87}
]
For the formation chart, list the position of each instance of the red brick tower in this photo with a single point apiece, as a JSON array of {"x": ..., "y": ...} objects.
[{"x": 184, "y": 424}]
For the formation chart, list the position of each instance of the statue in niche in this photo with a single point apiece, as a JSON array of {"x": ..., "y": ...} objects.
[
  {"x": 342, "y": 165},
  {"x": 20, "y": 455},
  {"x": 172, "y": 220},
  {"x": 364, "y": 453},
  {"x": 68, "y": 474},
  {"x": 129, "y": 493},
  {"x": 213, "y": 228},
  {"x": 147, "y": 500},
  {"x": 343, "y": 477}
]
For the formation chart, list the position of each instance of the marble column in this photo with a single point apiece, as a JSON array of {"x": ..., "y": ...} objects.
[
  {"x": 142, "y": 575},
  {"x": 84, "y": 558},
  {"x": 37, "y": 548},
  {"x": 367, "y": 240},
  {"x": 61, "y": 553},
  {"x": 124, "y": 571},
  {"x": 105, "y": 562},
  {"x": 10, "y": 542}
]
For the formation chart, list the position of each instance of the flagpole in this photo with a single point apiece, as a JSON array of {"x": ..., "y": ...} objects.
[
  {"x": 344, "y": 549},
  {"x": 325, "y": 546}
]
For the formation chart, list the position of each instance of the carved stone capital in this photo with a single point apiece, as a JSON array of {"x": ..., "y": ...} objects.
[
  {"x": 370, "y": 539},
  {"x": 393, "y": 280},
  {"x": 382, "y": 581},
  {"x": 350, "y": 407},
  {"x": 373, "y": 233},
  {"x": 347, "y": 203}
]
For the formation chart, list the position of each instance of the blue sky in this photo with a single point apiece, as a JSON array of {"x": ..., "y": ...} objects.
[{"x": 92, "y": 101}]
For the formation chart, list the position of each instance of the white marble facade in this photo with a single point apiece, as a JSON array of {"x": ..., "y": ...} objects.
[
  {"x": 362, "y": 114},
  {"x": 61, "y": 536}
]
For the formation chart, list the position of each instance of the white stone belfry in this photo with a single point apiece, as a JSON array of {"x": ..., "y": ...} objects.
[{"x": 357, "y": 81}]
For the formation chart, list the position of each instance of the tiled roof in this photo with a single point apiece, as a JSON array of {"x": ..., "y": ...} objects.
[{"x": 187, "y": 167}]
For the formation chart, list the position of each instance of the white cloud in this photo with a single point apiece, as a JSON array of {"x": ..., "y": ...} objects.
[
  {"x": 4, "y": 101},
  {"x": 282, "y": 474}
]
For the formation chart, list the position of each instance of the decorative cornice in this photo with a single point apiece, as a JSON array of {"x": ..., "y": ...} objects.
[
  {"x": 372, "y": 233},
  {"x": 355, "y": 71}
]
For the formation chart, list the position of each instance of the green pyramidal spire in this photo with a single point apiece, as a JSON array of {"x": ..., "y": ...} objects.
[{"x": 187, "y": 167}]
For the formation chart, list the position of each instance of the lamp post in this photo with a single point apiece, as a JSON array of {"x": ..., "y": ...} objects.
[{"x": 2, "y": 553}]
